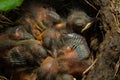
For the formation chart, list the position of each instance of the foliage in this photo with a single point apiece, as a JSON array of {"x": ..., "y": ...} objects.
[{"x": 6, "y": 5}]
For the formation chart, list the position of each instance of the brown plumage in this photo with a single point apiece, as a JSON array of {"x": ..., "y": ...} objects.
[
  {"x": 37, "y": 21},
  {"x": 52, "y": 39},
  {"x": 68, "y": 62},
  {"x": 24, "y": 75},
  {"x": 18, "y": 33}
]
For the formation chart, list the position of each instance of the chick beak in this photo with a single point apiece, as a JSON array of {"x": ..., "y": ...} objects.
[{"x": 88, "y": 25}]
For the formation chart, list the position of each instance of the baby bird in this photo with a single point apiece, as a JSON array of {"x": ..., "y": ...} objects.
[
  {"x": 26, "y": 53},
  {"x": 72, "y": 65},
  {"x": 37, "y": 21},
  {"x": 9, "y": 38},
  {"x": 77, "y": 43},
  {"x": 79, "y": 21},
  {"x": 18, "y": 33},
  {"x": 52, "y": 40}
]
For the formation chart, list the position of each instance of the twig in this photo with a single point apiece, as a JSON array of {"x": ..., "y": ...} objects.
[
  {"x": 117, "y": 66},
  {"x": 2, "y": 16},
  {"x": 91, "y": 5},
  {"x": 3, "y": 78},
  {"x": 117, "y": 24},
  {"x": 97, "y": 14},
  {"x": 90, "y": 67}
]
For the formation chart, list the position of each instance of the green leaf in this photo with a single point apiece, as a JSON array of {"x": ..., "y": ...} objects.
[{"x": 9, "y": 4}]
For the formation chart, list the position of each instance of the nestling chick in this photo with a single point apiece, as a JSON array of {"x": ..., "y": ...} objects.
[
  {"x": 34, "y": 46},
  {"x": 77, "y": 43},
  {"x": 52, "y": 40},
  {"x": 26, "y": 53},
  {"x": 39, "y": 20},
  {"x": 68, "y": 62},
  {"x": 72, "y": 66},
  {"x": 78, "y": 21},
  {"x": 72, "y": 62},
  {"x": 19, "y": 33},
  {"x": 49, "y": 66},
  {"x": 6, "y": 43},
  {"x": 19, "y": 57},
  {"x": 12, "y": 35}
]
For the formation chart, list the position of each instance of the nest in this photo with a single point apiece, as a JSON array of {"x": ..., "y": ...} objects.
[{"x": 99, "y": 36}]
